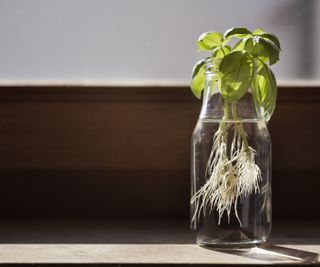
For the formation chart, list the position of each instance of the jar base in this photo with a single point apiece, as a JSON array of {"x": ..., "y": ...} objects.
[{"x": 223, "y": 245}]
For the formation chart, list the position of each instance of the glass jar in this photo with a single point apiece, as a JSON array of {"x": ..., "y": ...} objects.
[{"x": 230, "y": 172}]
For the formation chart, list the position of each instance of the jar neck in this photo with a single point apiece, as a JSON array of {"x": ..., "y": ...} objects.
[
  {"x": 213, "y": 103},
  {"x": 211, "y": 87},
  {"x": 214, "y": 107}
]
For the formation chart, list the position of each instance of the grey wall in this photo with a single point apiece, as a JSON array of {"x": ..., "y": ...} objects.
[{"x": 142, "y": 41}]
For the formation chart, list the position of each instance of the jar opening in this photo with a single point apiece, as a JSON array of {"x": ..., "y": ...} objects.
[{"x": 209, "y": 66}]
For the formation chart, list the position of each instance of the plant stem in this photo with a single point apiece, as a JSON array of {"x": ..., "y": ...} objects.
[
  {"x": 226, "y": 110},
  {"x": 222, "y": 126},
  {"x": 221, "y": 46},
  {"x": 239, "y": 125}
]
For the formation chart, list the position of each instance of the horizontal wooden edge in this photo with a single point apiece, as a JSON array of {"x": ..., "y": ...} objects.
[
  {"x": 84, "y": 93},
  {"x": 136, "y": 82},
  {"x": 95, "y": 93},
  {"x": 142, "y": 173}
]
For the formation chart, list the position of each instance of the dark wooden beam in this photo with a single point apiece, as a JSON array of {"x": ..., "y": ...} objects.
[{"x": 124, "y": 151}]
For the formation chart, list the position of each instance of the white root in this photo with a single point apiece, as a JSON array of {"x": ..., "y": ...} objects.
[{"x": 230, "y": 177}]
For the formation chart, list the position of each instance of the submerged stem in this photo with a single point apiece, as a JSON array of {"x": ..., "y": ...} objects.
[{"x": 240, "y": 127}]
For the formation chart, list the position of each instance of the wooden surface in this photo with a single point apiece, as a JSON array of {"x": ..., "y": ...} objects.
[
  {"x": 153, "y": 254},
  {"x": 145, "y": 242}
]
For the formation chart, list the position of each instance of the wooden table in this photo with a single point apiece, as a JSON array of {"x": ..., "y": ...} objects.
[{"x": 145, "y": 242}]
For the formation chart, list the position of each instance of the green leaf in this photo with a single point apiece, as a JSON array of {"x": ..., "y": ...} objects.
[
  {"x": 197, "y": 67},
  {"x": 249, "y": 46},
  {"x": 266, "y": 50},
  {"x": 198, "y": 78},
  {"x": 239, "y": 46},
  {"x": 209, "y": 40},
  {"x": 235, "y": 75},
  {"x": 226, "y": 41},
  {"x": 264, "y": 91},
  {"x": 258, "y": 31},
  {"x": 202, "y": 47},
  {"x": 256, "y": 50},
  {"x": 238, "y": 32},
  {"x": 221, "y": 51},
  {"x": 271, "y": 37}
]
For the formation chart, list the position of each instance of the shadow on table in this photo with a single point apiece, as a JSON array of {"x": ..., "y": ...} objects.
[
  {"x": 95, "y": 232},
  {"x": 276, "y": 254}
]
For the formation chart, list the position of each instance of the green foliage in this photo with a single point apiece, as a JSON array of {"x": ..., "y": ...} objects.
[
  {"x": 209, "y": 40},
  {"x": 258, "y": 31},
  {"x": 221, "y": 51},
  {"x": 272, "y": 38},
  {"x": 264, "y": 90},
  {"x": 235, "y": 75},
  {"x": 267, "y": 49},
  {"x": 198, "y": 78},
  {"x": 240, "y": 67},
  {"x": 240, "y": 45},
  {"x": 238, "y": 32}
]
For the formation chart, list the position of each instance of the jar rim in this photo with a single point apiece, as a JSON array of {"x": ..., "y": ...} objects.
[{"x": 208, "y": 66}]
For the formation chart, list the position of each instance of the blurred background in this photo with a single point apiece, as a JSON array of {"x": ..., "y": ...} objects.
[
  {"x": 96, "y": 113},
  {"x": 124, "y": 42}
]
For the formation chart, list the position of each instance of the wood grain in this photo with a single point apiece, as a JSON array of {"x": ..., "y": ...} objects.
[{"x": 145, "y": 242}]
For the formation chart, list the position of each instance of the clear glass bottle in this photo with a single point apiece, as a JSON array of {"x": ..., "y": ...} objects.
[{"x": 248, "y": 203}]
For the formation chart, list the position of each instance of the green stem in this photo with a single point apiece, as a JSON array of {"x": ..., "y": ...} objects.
[
  {"x": 221, "y": 46},
  {"x": 226, "y": 110},
  {"x": 223, "y": 123},
  {"x": 239, "y": 125}
]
